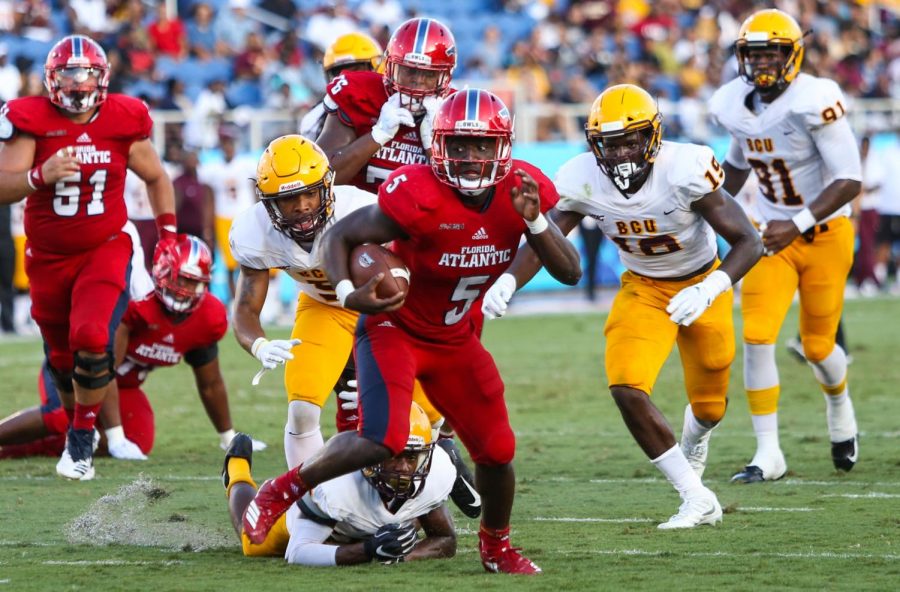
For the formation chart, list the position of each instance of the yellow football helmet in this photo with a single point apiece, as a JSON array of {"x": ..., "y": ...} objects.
[
  {"x": 624, "y": 131},
  {"x": 402, "y": 477},
  {"x": 292, "y": 165},
  {"x": 768, "y": 29},
  {"x": 350, "y": 49}
]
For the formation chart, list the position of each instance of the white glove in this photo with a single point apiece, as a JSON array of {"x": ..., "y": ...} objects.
[
  {"x": 226, "y": 437},
  {"x": 350, "y": 398},
  {"x": 687, "y": 306},
  {"x": 121, "y": 447},
  {"x": 426, "y": 128},
  {"x": 497, "y": 297},
  {"x": 274, "y": 352},
  {"x": 389, "y": 121}
]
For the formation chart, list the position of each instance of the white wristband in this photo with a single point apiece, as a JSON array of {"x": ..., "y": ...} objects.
[
  {"x": 257, "y": 344},
  {"x": 804, "y": 220},
  {"x": 380, "y": 136},
  {"x": 226, "y": 437},
  {"x": 114, "y": 435},
  {"x": 718, "y": 281},
  {"x": 343, "y": 289},
  {"x": 538, "y": 225},
  {"x": 30, "y": 182}
]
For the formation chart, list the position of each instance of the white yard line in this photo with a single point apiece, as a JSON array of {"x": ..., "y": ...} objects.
[
  {"x": 763, "y": 509},
  {"x": 116, "y": 562},
  {"x": 870, "y": 495},
  {"x": 602, "y": 520}
]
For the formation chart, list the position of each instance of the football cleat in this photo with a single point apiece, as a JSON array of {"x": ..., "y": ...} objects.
[
  {"x": 844, "y": 454},
  {"x": 241, "y": 446},
  {"x": 463, "y": 493},
  {"x": 265, "y": 509},
  {"x": 504, "y": 559},
  {"x": 77, "y": 460},
  {"x": 695, "y": 511},
  {"x": 696, "y": 454}
]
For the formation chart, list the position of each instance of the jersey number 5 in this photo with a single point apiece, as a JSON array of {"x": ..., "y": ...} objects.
[
  {"x": 467, "y": 291},
  {"x": 68, "y": 192}
]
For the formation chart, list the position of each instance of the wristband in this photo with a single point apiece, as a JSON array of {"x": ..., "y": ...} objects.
[
  {"x": 166, "y": 226},
  {"x": 35, "y": 178},
  {"x": 343, "y": 289},
  {"x": 718, "y": 281},
  {"x": 226, "y": 437},
  {"x": 114, "y": 435},
  {"x": 804, "y": 220},
  {"x": 256, "y": 345},
  {"x": 538, "y": 225}
]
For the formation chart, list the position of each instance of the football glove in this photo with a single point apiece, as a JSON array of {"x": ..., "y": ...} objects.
[
  {"x": 121, "y": 447},
  {"x": 392, "y": 542},
  {"x": 431, "y": 104},
  {"x": 349, "y": 398},
  {"x": 274, "y": 352},
  {"x": 497, "y": 297},
  {"x": 390, "y": 119},
  {"x": 687, "y": 305}
]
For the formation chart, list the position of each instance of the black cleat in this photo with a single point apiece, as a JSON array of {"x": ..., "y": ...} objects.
[
  {"x": 844, "y": 454},
  {"x": 750, "y": 474},
  {"x": 463, "y": 493},
  {"x": 241, "y": 447}
]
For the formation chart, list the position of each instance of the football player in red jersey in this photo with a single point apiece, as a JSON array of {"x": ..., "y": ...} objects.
[
  {"x": 68, "y": 153},
  {"x": 456, "y": 224},
  {"x": 377, "y": 123},
  {"x": 178, "y": 320}
]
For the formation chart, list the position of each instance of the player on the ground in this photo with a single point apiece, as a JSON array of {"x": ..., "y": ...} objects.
[
  {"x": 662, "y": 204},
  {"x": 456, "y": 224},
  {"x": 231, "y": 180},
  {"x": 68, "y": 153},
  {"x": 377, "y": 123},
  {"x": 349, "y": 53},
  {"x": 366, "y": 515},
  {"x": 175, "y": 319},
  {"x": 790, "y": 129}
]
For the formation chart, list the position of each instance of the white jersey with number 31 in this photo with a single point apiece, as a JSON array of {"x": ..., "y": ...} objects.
[
  {"x": 657, "y": 232},
  {"x": 797, "y": 145}
]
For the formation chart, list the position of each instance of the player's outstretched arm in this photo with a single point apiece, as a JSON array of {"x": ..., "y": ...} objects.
[
  {"x": 19, "y": 178},
  {"x": 214, "y": 396},
  {"x": 440, "y": 536},
  {"x": 365, "y": 225},
  {"x": 250, "y": 295},
  {"x": 727, "y": 218}
]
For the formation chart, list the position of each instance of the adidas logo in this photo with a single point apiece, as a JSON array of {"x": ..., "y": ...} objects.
[
  {"x": 84, "y": 138},
  {"x": 480, "y": 234},
  {"x": 386, "y": 324},
  {"x": 170, "y": 338}
]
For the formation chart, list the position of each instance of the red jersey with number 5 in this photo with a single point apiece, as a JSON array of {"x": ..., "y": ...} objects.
[
  {"x": 84, "y": 210},
  {"x": 154, "y": 340},
  {"x": 356, "y": 98},
  {"x": 454, "y": 253}
]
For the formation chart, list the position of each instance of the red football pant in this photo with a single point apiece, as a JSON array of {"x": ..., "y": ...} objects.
[
  {"x": 134, "y": 407},
  {"x": 78, "y": 299},
  {"x": 461, "y": 380}
]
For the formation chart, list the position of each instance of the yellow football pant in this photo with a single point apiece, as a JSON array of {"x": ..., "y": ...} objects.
[
  {"x": 275, "y": 544},
  {"x": 819, "y": 269},
  {"x": 20, "y": 278},
  {"x": 326, "y": 335},
  {"x": 640, "y": 336},
  {"x": 223, "y": 228}
]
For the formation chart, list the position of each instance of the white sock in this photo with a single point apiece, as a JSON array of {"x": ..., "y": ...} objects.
[
  {"x": 831, "y": 371},
  {"x": 840, "y": 416},
  {"x": 767, "y": 446},
  {"x": 675, "y": 467},
  {"x": 299, "y": 447},
  {"x": 693, "y": 430},
  {"x": 760, "y": 371}
]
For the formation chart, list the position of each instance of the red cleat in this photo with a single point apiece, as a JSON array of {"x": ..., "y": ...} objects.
[
  {"x": 270, "y": 503},
  {"x": 498, "y": 557}
]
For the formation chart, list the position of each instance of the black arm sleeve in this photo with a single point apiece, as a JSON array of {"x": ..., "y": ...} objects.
[{"x": 202, "y": 356}]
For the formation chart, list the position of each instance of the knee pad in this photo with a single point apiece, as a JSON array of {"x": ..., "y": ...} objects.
[
  {"x": 817, "y": 348},
  {"x": 62, "y": 380},
  {"x": 92, "y": 366},
  {"x": 303, "y": 417},
  {"x": 710, "y": 411},
  {"x": 90, "y": 337}
]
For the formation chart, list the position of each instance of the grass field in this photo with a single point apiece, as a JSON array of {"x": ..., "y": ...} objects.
[{"x": 588, "y": 500}]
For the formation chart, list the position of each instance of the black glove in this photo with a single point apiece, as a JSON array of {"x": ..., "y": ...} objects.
[{"x": 392, "y": 542}]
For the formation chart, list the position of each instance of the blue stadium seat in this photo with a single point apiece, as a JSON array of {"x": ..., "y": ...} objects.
[{"x": 244, "y": 92}]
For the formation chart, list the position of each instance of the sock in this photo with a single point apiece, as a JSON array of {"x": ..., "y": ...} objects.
[
  {"x": 299, "y": 447},
  {"x": 768, "y": 448},
  {"x": 291, "y": 483},
  {"x": 85, "y": 416},
  {"x": 761, "y": 378},
  {"x": 70, "y": 413},
  {"x": 831, "y": 373},
  {"x": 238, "y": 472},
  {"x": 492, "y": 540},
  {"x": 693, "y": 430},
  {"x": 675, "y": 467}
]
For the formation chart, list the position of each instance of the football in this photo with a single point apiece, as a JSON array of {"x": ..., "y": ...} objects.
[{"x": 368, "y": 260}]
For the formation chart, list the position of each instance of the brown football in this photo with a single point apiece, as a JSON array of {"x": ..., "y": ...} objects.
[{"x": 369, "y": 260}]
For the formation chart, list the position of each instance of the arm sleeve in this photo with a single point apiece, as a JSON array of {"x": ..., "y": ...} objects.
[
  {"x": 201, "y": 356},
  {"x": 838, "y": 148},
  {"x": 735, "y": 156},
  {"x": 307, "y": 544}
]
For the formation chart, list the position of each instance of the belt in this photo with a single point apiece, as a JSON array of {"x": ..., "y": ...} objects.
[
  {"x": 704, "y": 268},
  {"x": 810, "y": 234}
]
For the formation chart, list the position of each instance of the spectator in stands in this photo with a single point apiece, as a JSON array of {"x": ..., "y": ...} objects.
[
  {"x": 232, "y": 27},
  {"x": 889, "y": 210},
  {"x": 10, "y": 77},
  {"x": 490, "y": 51},
  {"x": 167, "y": 34},
  {"x": 88, "y": 17},
  {"x": 175, "y": 98},
  {"x": 382, "y": 13},
  {"x": 866, "y": 214},
  {"x": 328, "y": 23},
  {"x": 194, "y": 202},
  {"x": 202, "y": 127},
  {"x": 201, "y": 34},
  {"x": 250, "y": 63},
  {"x": 32, "y": 20}
]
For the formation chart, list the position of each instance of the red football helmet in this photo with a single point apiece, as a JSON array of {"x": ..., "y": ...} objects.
[
  {"x": 421, "y": 57},
  {"x": 181, "y": 274},
  {"x": 76, "y": 74},
  {"x": 472, "y": 113}
]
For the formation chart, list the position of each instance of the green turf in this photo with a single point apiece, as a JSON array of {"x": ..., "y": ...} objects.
[{"x": 575, "y": 461}]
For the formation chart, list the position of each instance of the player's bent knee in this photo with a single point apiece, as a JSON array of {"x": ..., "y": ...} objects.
[
  {"x": 90, "y": 337},
  {"x": 62, "y": 380},
  {"x": 711, "y": 411},
  {"x": 303, "y": 417},
  {"x": 499, "y": 449},
  {"x": 92, "y": 370},
  {"x": 817, "y": 349}
]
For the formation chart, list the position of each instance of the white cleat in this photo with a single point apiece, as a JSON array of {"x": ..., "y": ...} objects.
[
  {"x": 696, "y": 454},
  {"x": 694, "y": 511},
  {"x": 81, "y": 442}
]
